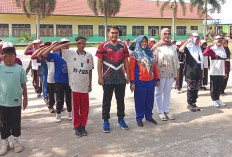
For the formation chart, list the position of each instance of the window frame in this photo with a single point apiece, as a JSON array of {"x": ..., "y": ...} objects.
[
  {"x": 89, "y": 34},
  {"x": 64, "y": 31},
  {"x": 135, "y": 30},
  {"x": 180, "y": 29},
  {"x": 21, "y": 28},
  {"x": 3, "y": 29},
  {"x": 50, "y": 34}
]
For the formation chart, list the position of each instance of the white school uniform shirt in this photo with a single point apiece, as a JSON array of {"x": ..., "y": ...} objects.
[
  {"x": 78, "y": 68},
  {"x": 51, "y": 72},
  {"x": 34, "y": 64}
]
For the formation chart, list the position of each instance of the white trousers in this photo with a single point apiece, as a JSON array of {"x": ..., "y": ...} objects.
[{"x": 162, "y": 95}]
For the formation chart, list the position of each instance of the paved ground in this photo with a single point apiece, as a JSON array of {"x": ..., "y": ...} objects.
[{"x": 201, "y": 134}]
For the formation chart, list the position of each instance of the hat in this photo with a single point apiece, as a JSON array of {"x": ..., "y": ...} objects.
[
  {"x": 219, "y": 38},
  {"x": 178, "y": 43},
  {"x": 47, "y": 43},
  {"x": 203, "y": 41},
  {"x": 194, "y": 35},
  {"x": 119, "y": 39},
  {"x": 35, "y": 41},
  {"x": 127, "y": 39},
  {"x": 64, "y": 40},
  {"x": 7, "y": 45},
  {"x": 152, "y": 39}
]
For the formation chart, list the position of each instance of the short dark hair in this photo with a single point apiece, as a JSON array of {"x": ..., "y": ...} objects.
[
  {"x": 113, "y": 27},
  {"x": 9, "y": 50},
  {"x": 79, "y": 38},
  {"x": 0, "y": 40}
]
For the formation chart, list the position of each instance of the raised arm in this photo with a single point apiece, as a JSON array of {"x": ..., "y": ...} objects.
[
  {"x": 182, "y": 48},
  {"x": 27, "y": 49},
  {"x": 35, "y": 54},
  {"x": 49, "y": 49},
  {"x": 58, "y": 47}
]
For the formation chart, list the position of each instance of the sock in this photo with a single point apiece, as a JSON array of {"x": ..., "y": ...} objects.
[
  {"x": 16, "y": 139},
  {"x": 5, "y": 141}
]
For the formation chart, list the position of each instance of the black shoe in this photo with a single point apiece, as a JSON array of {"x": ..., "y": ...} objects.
[
  {"x": 191, "y": 108},
  {"x": 52, "y": 110},
  {"x": 197, "y": 108},
  {"x": 38, "y": 95},
  {"x": 152, "y": 121},
  {"x": 140, "y": 123},
  {"x": 84, "y": 132},
  {"x": 78, "y": 131}
]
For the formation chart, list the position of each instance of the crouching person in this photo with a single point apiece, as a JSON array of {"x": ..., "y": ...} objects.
[{"x": 12, "y": 87}]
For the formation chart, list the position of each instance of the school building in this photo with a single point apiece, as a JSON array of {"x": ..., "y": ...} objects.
[{"x": 73, "y": 17}]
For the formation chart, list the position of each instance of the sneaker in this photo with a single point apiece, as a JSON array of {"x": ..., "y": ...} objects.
[
  {"x": 177, "y": 91},
  {"x": 106, "y": 127},
  {"x": 4, "y": 149},
  {"x": 152, "y": 121},
  {"x": 17, "y": 147},
  {"x": 191, "y": 108},
  {"x": 78, "y": 131},
  {"x": 52, "y": 110},
  {"x": 38, "y": 95},
  {"x": 220, "y": 103},
  {"x": 197, "y": 108},
  {"x": 181, "y": 91},
  {"x": 140, "y": 123},
  {"x": 215, "y": 104},
  {"x": 122, "y": 124},
  {"x": 58, "y": 118},
  {"x": 69, "y": 116},
  {"x": 84, "y": 132}
]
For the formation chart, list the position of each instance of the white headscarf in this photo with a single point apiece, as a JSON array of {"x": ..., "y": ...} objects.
[
  {"x": 220, "y": 51},
  {"x": 195, "y": 50}
]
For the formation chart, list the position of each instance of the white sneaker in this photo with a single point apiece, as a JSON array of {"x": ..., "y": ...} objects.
[
  {"x": 69, "y": 115},
  {"x": 58, "y": 118},
  {"x": 221, "y": 103},
  {"x": 4, "y": 149},
  {"x": 177, "y": 91},
  {"x": 215, "y": 104}
]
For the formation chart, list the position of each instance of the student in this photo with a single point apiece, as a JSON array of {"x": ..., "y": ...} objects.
[
  {"x": 151, "y": 42},
  {"x": 112, "y": 59},
  {"x": 80, "y": 65},
  {"x": 144, "y": 76},
  {"x": 168, "y": 66},
  {"x": 179, "y": 80},
  {"x": 218, "y": 70},
  {"x": 204, "y": 83},
  {"x": 12, "y": 87},
  {"x": 61, "y": 79},
  {"x": 194, "y": 69},
  {"x": 127, "y": 43},
  {"x": 225, "y": 44}
]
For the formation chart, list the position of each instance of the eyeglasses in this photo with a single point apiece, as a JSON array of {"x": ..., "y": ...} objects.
[{"x": 167, "y": 33}]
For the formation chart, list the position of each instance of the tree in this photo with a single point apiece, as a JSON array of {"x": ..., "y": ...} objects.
[
  {"x": 203, "y": 8},
  {"x": 25, "y": 38},
  {"x": 41, "y": 8},
  {"x": 172, "y": 5},
  {"x": 107, "y": 8}
]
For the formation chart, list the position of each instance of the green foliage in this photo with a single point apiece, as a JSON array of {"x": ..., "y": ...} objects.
[
  {"x": 215, "y": 5},
  {"x": 42, "y": 7},
  {"x": 157, "y": 37},
  {"x": 25, "y": 38}
]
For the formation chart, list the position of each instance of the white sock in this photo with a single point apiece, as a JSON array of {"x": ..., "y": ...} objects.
[
  {"x": 16, "y": 139},
  {"x": 5, "y": 141}
]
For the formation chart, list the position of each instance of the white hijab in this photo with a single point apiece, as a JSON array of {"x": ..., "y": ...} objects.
[
  {"x": 195, "y": 51},
  {"x": 220, "y": 51}
]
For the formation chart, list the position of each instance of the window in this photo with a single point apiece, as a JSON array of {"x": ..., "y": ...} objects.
[
  {"x": 63, "y": 30},
  {"x": 85, "y": 30},
  {"x": 194, "y": 27},
  {"x": 181, "y": 30},
  {"x": 18, "y": 29},
  {"x": 122, "y": 30},
  {"x": 169, "y": 27},
  {"x": 137, "y": 30},
  {"x": 153, "y": 30},
  {"x": 4, "y": 30},
  {"x": 46, "y": 30}
]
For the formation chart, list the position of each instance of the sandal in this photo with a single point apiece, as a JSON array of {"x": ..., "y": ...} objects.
[
  {"x": 163, "y": 117},
  {"x": 170, "y": 116}
]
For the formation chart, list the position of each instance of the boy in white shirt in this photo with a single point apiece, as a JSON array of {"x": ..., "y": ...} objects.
[{"x": 80, "y": 65}]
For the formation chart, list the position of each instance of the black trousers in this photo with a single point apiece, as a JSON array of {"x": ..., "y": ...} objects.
[
  {"x": 28, "y": 67},
  {"x": 205, "y": 80},
  {"x": 38, "y": 81},
  {"x": 51, "y": 95},
  {"x": 119, "y": 90},
  {"x": 225, "y": 83},
  {"x": 61, "y": 90},
  {"x": 216, "y": 83},
  {"x": 179, "y": 80},
  {"x": 10, "y": 121}
]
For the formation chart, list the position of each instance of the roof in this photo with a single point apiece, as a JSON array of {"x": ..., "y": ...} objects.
[{"x": 129, "y": 8}]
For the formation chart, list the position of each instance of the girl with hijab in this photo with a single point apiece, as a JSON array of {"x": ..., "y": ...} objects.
[
  {"x": 225, "y": 44},
  {"x": 193, "y": 70},
  {"x": 168, "y": 66},
  {"x": 144, "y": 77},
  {"x": 217, "y": 69}
]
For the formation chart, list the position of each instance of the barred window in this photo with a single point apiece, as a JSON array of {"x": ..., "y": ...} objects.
[
  {"x": 85, "y": 30},
  {"x": 46, "y": 30},
  {"x": 4, "y": 30},
  {"x": 137, "y": 30},
  {"x": 181, "y": 30},
  {"x": 169, "y": 27},
  {"x": 122, "y": 30},
  {"x": 18, "y": 29},
  {"x": 63, "y": 30},
  {"x": 194, "y": 27},
  {"x": 153, "y": 30}
]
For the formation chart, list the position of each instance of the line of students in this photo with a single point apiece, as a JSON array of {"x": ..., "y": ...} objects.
[{"x": 72, "y": 74}]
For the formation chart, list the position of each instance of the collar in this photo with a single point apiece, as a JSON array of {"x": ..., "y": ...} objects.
[{"x": 80, "y": 54}]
